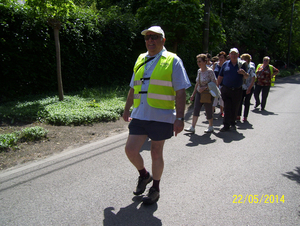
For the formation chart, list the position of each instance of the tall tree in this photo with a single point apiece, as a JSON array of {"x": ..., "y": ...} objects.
[
  {"x": 181, "y": 20},
  {"x": 54, "y": 12},
  {"x": 206, "y": 25},
  {"x": 260, "y": 27}
]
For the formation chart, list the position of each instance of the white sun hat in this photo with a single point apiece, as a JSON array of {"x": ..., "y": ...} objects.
[
  {"x": 156, "y": 29},
  {"x": 234, "y": 50}
]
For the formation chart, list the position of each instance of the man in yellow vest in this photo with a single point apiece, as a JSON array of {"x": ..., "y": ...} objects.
[{"x": 158, "y": 82}]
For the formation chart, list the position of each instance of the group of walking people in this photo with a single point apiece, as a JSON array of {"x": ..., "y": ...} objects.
[
  {"x": 157, "y": 94},
  {"x": 237, "y": 79}
]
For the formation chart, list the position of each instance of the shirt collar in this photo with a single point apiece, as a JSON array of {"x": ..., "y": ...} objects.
[{"x": 163, "y": 52}]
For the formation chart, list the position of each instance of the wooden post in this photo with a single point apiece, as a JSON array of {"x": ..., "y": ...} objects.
[{"x": 56, "y": 25}]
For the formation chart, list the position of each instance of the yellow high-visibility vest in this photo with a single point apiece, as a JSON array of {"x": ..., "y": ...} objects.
[{"x": 161, "y": 93}]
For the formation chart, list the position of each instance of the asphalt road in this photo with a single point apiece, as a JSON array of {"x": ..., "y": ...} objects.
[{"x": 246, "y": 177}]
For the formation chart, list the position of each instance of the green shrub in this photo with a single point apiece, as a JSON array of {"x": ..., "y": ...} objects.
[
  {"x": 8, "y": 140},
  {"x": 33, "y": 133},
  {"x": 284, "y": 73}
]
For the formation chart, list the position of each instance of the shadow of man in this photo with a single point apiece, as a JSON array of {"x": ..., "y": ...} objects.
[{"x": 131, "y": 215}]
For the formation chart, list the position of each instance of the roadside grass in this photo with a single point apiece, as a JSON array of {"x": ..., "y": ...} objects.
[
  {"x": 11, "y": 140},
  {"x": 85, "y": 107}
]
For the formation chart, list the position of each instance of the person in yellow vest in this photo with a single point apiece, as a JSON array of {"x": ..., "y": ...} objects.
[
  {"x": 157, "y": 93},
  {"x": 265, "y": 72}
]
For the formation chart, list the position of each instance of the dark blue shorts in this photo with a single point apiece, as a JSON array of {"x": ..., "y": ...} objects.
[{"x": 154, "y": 130}]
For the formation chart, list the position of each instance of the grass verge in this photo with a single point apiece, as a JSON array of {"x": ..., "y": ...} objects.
[{"x": 11, "y": 140}]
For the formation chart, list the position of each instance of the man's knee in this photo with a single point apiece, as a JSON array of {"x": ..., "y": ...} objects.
[
  {"x": 156, "y": 155},
  {"x": 157, "y": 150},
  {"x": 131, "y": 151}
]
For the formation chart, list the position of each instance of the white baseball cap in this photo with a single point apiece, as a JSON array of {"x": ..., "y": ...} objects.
[
  {"x": 234, "y": 50},
  {"x": 156, "y": 29}
]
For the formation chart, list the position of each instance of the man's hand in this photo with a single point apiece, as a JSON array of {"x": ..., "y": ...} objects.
[
  {"x": 129, "y": 102},
  {"x": 180, "y": 107},
  {"x": 126, "y": 116},
  {"x": 178, "y": 126},
  {"x": 243, "y": 72},
  {"x": 248, "y": 90}
]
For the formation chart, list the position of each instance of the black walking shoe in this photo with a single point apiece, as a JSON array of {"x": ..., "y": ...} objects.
[
  {"x": 256, "y": 105},
  {"x": 142, "y": 183},
  {"x": 152, "y": 197},
  {"x": 224, "y": 129}
]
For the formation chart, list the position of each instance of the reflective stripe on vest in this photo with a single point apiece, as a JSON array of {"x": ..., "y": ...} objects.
[{"x": 160, "y": 92}]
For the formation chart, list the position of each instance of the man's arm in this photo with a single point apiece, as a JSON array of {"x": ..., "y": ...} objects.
[
  {"x": 180, "y": 107},
  {"x": 220, "y": 78},
  {"x": 129, "y": 103},
  {"x": 194, "y": 92},
  {"x": 251, "y": 85},
  {"x": 243, "y": 70}
]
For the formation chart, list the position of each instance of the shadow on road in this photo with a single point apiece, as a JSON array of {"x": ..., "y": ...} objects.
[
  {"x": 230, "y": 136},
  {"x": 264, "y": 112},
  {"x": 132, "y": 215},
  {"x": 196, "y": 139},
  {"x": 293, "y": 176},
  {"x": 244, "y": 125}
]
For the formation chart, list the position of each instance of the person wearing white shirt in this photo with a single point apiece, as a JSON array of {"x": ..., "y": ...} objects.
[{"x": 149, "y": 118}]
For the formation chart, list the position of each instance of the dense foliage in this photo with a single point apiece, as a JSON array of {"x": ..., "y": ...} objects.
[
  {"x": 96, "y": 50},
  {"x": 85, "y": 107},
  {"x": 100, "y": 39},
  {"x": 260, "y": 27}
]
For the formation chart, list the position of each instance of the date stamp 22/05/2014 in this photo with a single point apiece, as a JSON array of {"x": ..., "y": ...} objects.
[{"x": 258, "y": 199}]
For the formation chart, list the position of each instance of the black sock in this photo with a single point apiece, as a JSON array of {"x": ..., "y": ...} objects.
[
  {"x": 156, "y": 184},
  {"x": 143, "y": 173}
]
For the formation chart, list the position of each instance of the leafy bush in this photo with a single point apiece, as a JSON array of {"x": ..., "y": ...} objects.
[
  {"x": 8, "y": 141},
  {"x": 33, "y": 133},
  {"x": 77, "y": 111},
  {"x": 89, "y": 106},
  {"x": 284, "y": 73}
]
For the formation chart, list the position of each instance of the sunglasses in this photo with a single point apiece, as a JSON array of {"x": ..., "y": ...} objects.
[{"x": 153, "y": 37}]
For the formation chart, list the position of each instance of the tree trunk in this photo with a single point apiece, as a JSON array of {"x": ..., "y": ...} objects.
[
  {"x": 206, "y": 26},
  {"x": 56, "y": 26},
  {"x": 58, "y": 64},
  {"x": 175, "y": 47}
]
